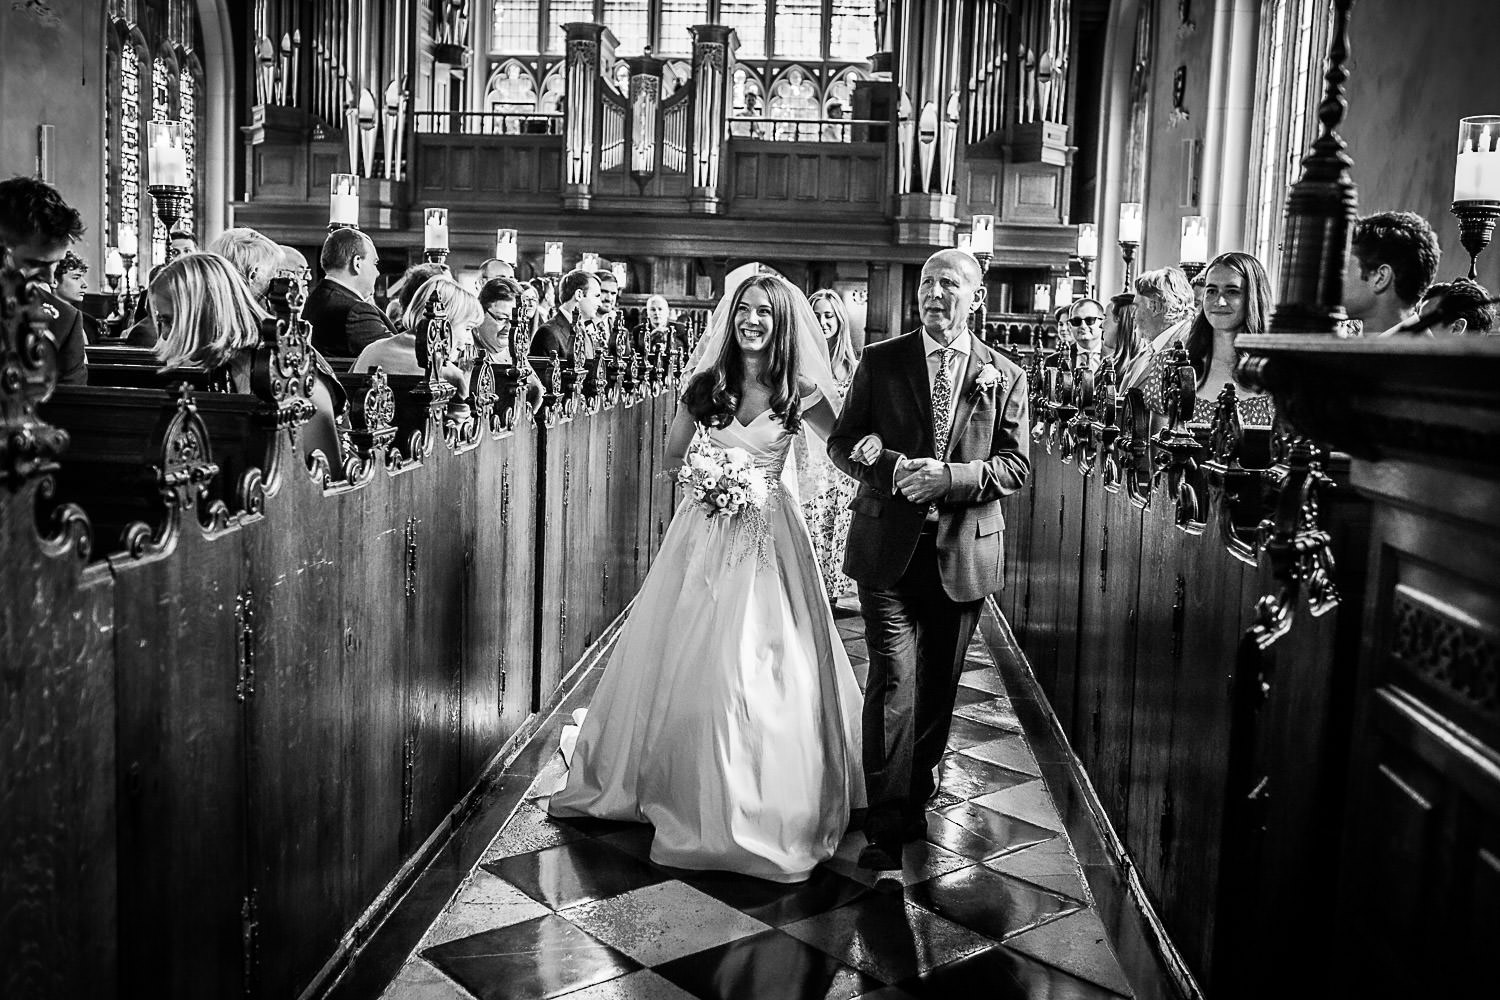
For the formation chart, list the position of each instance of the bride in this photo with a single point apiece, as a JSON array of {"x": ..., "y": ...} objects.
[{"x": 728, "y": 715}]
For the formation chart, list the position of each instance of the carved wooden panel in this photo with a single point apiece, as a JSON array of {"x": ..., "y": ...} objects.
[
  {"x": 1033, "y": 193},
  {"x": 805, "y": 179}
]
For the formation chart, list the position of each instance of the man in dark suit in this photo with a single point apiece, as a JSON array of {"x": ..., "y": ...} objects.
[
  {"x": 567, "y": 332},
  {"x": 37, "y": 227},
  {"x": 935, "y": 430},
  {"x": 344, "y": 321}
]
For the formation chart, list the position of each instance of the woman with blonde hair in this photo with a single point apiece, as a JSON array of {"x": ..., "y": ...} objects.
[
  {"x": 397, "y": 355},
  {"x": 827, "y": 491},
  {"x": 833, "y": 318},
  {"x": 205, "y": 314}
]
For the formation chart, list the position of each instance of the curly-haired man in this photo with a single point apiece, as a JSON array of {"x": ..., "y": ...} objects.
[{"x": 37, "y": 227}]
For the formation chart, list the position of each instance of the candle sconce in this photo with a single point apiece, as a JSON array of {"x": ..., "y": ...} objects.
[
  {"x": 171, "y": 203},
  {"x": 435, "y": 236},
  {"x": 1476, "y": 184},
  {"x": 1087, "y": 251},
  {"x": 343, "y": 201},
  {"x": 167, "y": 173},
  {"x": 1130, "y": 239},
  {"x": 1194, "y": 246}
]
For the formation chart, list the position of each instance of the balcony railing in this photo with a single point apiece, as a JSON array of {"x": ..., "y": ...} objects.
[
  {"x": 488, "y": 122},
  {"x": 801, "y": 129}
]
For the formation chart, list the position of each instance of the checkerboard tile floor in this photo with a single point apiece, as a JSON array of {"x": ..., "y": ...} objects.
[{"x": 992, "y": 903}]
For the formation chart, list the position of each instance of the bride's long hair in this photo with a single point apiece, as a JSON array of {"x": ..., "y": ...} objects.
[{"x": 713, "y": 396}]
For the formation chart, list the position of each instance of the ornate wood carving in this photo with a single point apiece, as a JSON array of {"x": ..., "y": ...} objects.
[
  {"x": 1299, "y": 549},
  {"x": 1447, "y": 649}
]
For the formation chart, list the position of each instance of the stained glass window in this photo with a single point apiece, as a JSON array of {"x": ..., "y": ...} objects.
[
  {"x": 565, "y": 12},
  {"x": 677, "y": 16},
  {"x": 630, "y": 20},
  {"x": 161, "y": 110},
  {"x": 513, "y": 26},
  {"x": 851, "y": 30},
  {"x": 130, "y": 140},
  {"x": 748, "y": 19},
  {"x": 798, "y": 29},
  {"x": 187, "y": 97}
]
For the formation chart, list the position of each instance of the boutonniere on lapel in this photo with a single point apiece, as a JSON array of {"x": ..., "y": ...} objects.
[{"x": 989, "y": 378}]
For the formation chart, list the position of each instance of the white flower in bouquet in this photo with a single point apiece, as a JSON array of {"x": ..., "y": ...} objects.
[{"x": 736, "y": 458}]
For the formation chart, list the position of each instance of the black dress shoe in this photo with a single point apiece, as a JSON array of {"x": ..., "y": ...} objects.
[{"x": 880, "y": 857}]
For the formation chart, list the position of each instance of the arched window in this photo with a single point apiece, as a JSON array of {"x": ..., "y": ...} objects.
[{"x": 1293, "y": 38}]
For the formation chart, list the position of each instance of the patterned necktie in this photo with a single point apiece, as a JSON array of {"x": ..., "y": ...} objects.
[{"x": 942, "y": 401}]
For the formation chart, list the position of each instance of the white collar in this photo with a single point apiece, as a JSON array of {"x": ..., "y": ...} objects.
[{"x": 960, "y": 344}]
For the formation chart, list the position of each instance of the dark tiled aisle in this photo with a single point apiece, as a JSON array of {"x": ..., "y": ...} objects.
[{"x": 992, "y": 903}]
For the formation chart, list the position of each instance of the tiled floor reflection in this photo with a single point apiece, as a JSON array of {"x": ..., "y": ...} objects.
[{"x": 992, "y": 903}]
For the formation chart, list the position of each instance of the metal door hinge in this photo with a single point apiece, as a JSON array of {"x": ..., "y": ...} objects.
[
  {"x": 244, "y": 645},
  {"x": 411, "y": 557}
]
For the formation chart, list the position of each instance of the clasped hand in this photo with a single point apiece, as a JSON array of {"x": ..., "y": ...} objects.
[{"x": 922, "y": 480}]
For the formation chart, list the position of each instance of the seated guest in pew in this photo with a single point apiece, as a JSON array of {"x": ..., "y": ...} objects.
[
  {"x": 205, "y": 315},
  {"x": 397, "y": 354},
  {"x": 659, "y": 331},
  {"x": 37, "y": 227},
  {"x": 258, "y": 260},
  {"x": 1123, "y": 343},
  {"x": 294, "y": 265},
  {"x": 256, "y": 257},
  {"x": 1086, "y": 329},
  {"x": 70, "y": 283},
  {"x": 495, "y": 268},
  {"x": 343, "y": 318},
  {"x": 1164, "y": 312},
  {"x": 1458, "y": 308},
  {"x": 1236, "y": 300},
  {"x": 1393, "y": 257},
  {"x": 568, "y": 331},
  {"x": 500, "y": 298}
]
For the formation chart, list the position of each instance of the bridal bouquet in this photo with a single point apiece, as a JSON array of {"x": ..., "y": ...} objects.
[{"x": 723, "y": 481}]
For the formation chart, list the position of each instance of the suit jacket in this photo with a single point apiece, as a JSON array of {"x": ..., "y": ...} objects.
[
  {"x": 555, "y": 335},
  {"x": 67, "y": 332},
  {"x": 988, "y": 458},
  {"x": 343, "y": 324}
]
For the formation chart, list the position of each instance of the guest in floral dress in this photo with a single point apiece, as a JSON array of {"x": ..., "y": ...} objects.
[{"x": 826, "y": 492}]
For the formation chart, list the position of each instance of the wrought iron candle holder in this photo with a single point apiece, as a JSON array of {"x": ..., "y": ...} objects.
[
  {"x": 435, "y": 255},
  {"x": 1127, "y": 254},
  {"x": 1476, "y": 227},
  {"x": 1191, "y": 268},
  {"x": 171, "y": 202}
]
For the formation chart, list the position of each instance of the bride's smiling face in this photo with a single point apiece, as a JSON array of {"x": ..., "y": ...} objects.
[{"x": 753, "y": 322}]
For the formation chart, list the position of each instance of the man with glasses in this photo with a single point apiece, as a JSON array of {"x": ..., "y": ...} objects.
[{"x": 1086, "y": 323}]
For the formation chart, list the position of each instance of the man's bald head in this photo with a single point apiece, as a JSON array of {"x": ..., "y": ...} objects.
[{"x": 959, "y": 258}]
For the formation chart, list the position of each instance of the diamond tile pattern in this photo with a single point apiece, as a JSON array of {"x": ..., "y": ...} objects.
[{"x": 989, "y": 903}]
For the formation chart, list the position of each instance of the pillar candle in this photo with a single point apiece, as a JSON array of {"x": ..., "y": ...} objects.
[
  {"x": 505, "y": 246},
  {"x": 436, "y": 230},
  {"x": 1194, "y": 240},
  {"x": 343, "y": 199},
  {"x": 982, "y": 235},
  {"x": 1130, "y": 222},
  {"x": 1088, "y": 241},
  {"x": 1476, "y": 174},
  {"x": 552, "y": 260},
  {"x": 166, "y": 160}
]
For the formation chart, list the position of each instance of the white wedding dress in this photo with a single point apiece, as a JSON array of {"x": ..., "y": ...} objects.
[{"x": 728, "y": 716}]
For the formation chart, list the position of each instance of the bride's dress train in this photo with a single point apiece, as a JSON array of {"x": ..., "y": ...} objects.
[{"x": 729, "y": 716}]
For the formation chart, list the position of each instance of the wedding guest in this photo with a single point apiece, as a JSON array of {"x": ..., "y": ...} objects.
[
  {"x": 37, "y": 227},
  {"x": 1086, "y": 325},
  {"x": 294, "y": 265},
  {"x": 343, "y": 319},
  {"x": 608, "y": 325},
  {"x": 205, "y": 314},
  {"x": 1236, "y": 300},
  {"x": 1163, "y": 312},
  {"x": 1458, "y": 308},
  {"x": 179, "y": 242},
  {"x": 659, "y": 328},
  {"x": 1197, "y": 283},
  {"x": 1393, "y": 257},
  {"x": 495, "y": 268},
  {"x": 500, "y": 299},
  {"x": 1129, "y": 352},
  {"x": 397, "y": 354},
  {"x": 70, "y": 283},
  {"x": 258, "y": 258},
  {"x": 833, "y": 317},
  {"x": 567, "y": 331}
]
